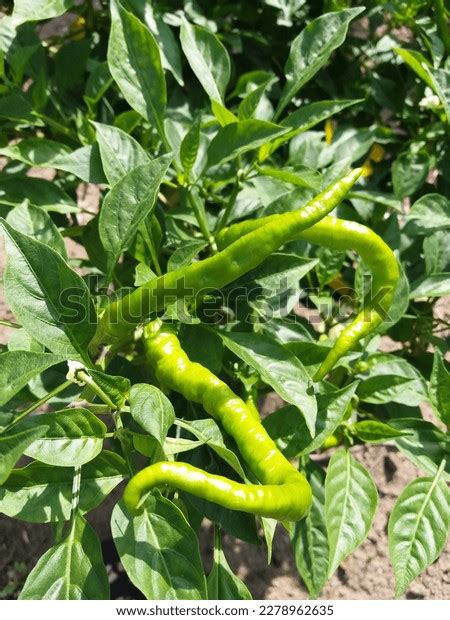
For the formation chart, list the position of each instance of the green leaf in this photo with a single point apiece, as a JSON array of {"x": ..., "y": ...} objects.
[
  {"x": 276, "y": 282},
  {"x": 437, "y": 79},
  {"x": 417, "y": 62},
  {"x": 269, "y": 527},
  {"x": 309, "y": 538},
  {"x": 18, "y": 367},
  {"x": 440, "y": 80},
  {"x": 208, "y": 432},
  {"x": 189, "y": 147},
  {"x": 168, "y": 46},
  {"x": 203, "y": 346},
  {"x": 311, "y": 50},
  {"x": 97, "y": 84},
  {"x": 71, "y": 570},
  {"x": 120, "y": 152},
  {"x": 278, "y": 368},
  {"x": 159, "y": 551},
  {"x": 295, "y": 175},
  {"x": 8, "y": 32},
  {"x": 37, "y": 10},
  {"x": 13, "y": 443},
  {"x": 440, "y": 388},
  {"x": 350, "y": 505},
  {"x": 373, "y": 431},
  {"x": 375, "y": 196},
  {"x": 237, "y": 138},
  {"x": 40, "y": 493},
  {"x": 409, "y": 172},
  {"x": 399, "y": 303},
  {"x": 185, "y": 254},
  {"x": 430, "y": 213},
  {"x": 349, "y": 144},
  {"x": 53, "y": 303},
  {"x": 207, "y": 58},
  {"x": 436, "y": 252},
  {"x": 20, "y": 340},
  {"x": 223, "y": 114},
  {"x": 84, "y": 163},
  {"x": 303, "y": 119},
  {"x": 390, "y": 378},
  {"x": 127, "y": 205},
  {"x": 35, "y": 151},
  {"x": 418, "y": 528},
  {"x": 425, "y": 444},
  {"x": 435, "y": 285},
  {"x": 115, "y": 387},
  {"x": 73, "y": 437},
  {"x": 288, "y": 428},
  {"x": 249, "y": 104},
  {"x": 178, "y": 445},
  {"x": 15, "y": 190},
  {"x": 36, "y": 223},
  {"x": 143, "y": 274},
  {"x": 16, "y": 108},
  {"x": 135, "y": 64},
  {"x": 152, "y": 410},
  {"x": 223, "y": 584}
]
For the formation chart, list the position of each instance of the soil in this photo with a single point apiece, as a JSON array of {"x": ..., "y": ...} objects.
[{"x": 366, "y": 574}]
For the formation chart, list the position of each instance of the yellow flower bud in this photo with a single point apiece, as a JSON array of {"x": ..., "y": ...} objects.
[
  {"x": 77, "y": 28},
  {"x": 376, "y": 153},
  {"x": 329, "y": 131}
]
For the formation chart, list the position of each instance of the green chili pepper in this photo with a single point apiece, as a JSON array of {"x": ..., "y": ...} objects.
[
  {"x": 284, "y": 493},
  {"x": 200, "y": 278},
  {"x": 341, "y": 235}
]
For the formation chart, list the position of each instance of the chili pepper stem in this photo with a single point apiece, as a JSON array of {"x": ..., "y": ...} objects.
[{"x": 151, "y": 247}]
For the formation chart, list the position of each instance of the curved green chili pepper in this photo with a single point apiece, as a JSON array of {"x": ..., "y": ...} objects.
[
  {"x": 284, "y": 493},
  {"x": 215, "y": 272},
  {"x": 342, "y": 235}
]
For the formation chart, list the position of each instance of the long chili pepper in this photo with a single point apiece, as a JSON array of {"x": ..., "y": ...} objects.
[
  {"x": 284, "y": 493},
  {"x": 341, "y": 235},
  {"x": 215, "y": 272}
]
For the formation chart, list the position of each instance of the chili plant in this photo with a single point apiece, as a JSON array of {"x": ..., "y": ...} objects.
[{"x": 250, "y": 166}]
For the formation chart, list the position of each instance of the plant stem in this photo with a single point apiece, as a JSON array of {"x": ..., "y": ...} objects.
[
  {"x": 223, "y": 220},
  {"x": 151, "y": 247},
  {"x": 10, "y": 324},
  {"x": 119, "y": 428},
  {"x": 23, "y": 414},
  {"x": 87, "y": 379},
  {"x": 76, "y": 486},
  {"x": 58, "y": 127},
  {"x": 200, "y": 214}
]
